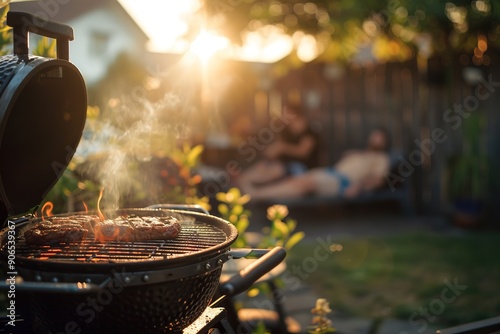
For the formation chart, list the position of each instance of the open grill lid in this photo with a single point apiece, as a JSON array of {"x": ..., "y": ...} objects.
[{"x": 43, "y": 104}]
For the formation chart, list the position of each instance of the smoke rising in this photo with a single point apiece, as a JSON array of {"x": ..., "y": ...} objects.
[{"x": 122, "y": 145}]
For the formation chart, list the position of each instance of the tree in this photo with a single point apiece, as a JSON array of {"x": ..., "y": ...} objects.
[{"x": 395, "y": 29}]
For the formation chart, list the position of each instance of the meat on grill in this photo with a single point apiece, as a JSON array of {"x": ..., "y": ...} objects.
[
  {"x": 56, "y": 231},
  {"x": 137, "y": 229},
  {"x": 78, "y": 227}
]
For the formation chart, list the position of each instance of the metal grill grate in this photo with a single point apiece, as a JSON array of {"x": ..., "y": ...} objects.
[{"x": 194, "y": 237}]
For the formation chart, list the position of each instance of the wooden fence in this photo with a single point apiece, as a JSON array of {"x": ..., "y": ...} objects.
[{"x": 423, "y": 107}]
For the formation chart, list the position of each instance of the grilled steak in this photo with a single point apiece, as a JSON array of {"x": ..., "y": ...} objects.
[
  {"x": 137, "y": 229},
  {"x": 78, "y": 227},
  {"x": 49, "y": 232},
  {"x": 86, "y": 221}
]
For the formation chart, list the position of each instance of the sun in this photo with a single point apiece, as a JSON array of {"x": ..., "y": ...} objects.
[
  {"x": 206, "y": 44},
  {"x": 165, "y": 23}
]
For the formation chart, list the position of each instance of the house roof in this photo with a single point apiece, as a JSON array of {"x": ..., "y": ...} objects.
[{"x": 65, "y": 13}]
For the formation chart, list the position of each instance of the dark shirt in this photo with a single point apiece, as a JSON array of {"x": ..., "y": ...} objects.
[{"x": 312, "y": 159}]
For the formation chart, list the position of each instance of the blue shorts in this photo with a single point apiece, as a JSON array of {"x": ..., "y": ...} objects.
[
  {"x": 344, "y": 182},
  {"x": 295, "y": 168}
]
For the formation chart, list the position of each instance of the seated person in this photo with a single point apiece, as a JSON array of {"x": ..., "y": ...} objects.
[
  {"x": 294, "y": 151},
  {"x": 355, "y": 172}
]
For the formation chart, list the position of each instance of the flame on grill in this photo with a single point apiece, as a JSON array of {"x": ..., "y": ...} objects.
[
  {"x": 103, "y": 234},
  {"x": 99, "y": 213},
  {"x": 85, "y": 207},
  {"x": 47, "y": 209}
]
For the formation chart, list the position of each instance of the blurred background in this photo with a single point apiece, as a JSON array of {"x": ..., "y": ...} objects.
[
  {"x": 221, "y": 69},
  {"x": 185, "y": 88}
]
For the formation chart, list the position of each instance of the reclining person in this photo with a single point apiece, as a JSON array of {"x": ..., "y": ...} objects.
[
  {"x": 294, "y": 151},
  {"x": 357, "y": 171}
]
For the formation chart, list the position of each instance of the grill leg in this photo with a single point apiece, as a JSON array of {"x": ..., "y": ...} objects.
[
  {"x": 279, "y": 306},
  {"x": 230, "y": 324},
  {"x": 212, "y": 318},
  {"x": 225, "y": 327}
]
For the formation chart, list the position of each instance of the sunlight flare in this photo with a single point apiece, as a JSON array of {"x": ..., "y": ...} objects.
[
  {"x": 164, "y": 22},
  {"x": 267, "y": 44},
  {"x": 206, "y": 44}
]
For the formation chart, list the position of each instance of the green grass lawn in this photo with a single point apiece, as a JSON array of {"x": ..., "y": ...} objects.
[{"x": 405, "y": 277}]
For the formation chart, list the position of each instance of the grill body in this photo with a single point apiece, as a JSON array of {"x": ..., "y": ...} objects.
[
  {"x": 166, "y": 307},
  {"x": 153, "y": 286}
]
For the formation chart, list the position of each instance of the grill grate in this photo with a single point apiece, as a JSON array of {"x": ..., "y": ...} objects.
[{"x": 194, "y": 237}]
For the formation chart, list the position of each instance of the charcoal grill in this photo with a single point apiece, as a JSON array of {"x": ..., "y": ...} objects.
[
  {"x": 156, "y": 286},
  {"x": 164, "y": 285}
]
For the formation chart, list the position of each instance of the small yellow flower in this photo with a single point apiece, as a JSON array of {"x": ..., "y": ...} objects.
[
  {"x": 322, "y": 306},
  {"x": 277, "y": 211},
  {"x": 320, "y": 322}
]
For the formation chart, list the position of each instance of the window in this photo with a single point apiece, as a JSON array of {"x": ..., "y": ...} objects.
[{"x": 99, "y": 43}]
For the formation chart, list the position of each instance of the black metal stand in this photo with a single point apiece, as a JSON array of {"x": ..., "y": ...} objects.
[{"x": 212, "y": 318}]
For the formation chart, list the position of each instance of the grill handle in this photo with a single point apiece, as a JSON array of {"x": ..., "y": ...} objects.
[
  {"x": 248, "y": 276},
  {"x": 14, "y": 222},
  {"x": 185, "y": 207},
  {"x": 22, "y": 23}
]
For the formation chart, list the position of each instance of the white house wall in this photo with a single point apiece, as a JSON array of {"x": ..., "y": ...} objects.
[{"x": 121, "y": 39}]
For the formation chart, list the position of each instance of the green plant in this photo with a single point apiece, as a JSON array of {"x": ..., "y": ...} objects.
[
  {"x": 5, "y": 35},
  {"x": 281, "y": 232},
  {"x": 164, "y": 179},
  {"x": 260, "y": 329},
  {"x": 69, "y": 191},
  {"x": 232, "y": 209},
  {"x": 46, "y": 47},
  {"x": 187, "y": 158},
  {"x": 470, "y": 172}
]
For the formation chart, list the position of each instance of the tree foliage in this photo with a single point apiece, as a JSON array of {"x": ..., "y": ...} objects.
[{"x": 393, "y": 28}]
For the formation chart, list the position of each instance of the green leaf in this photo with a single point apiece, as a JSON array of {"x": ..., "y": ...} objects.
[
  {"x": 237, "y": 209},
  {"x": 221, "y": 197},
  {"x": 193, "y": 155},
  {"x": 46, "y": 47},
  {"x": 243, "y": 224},
  {"x": 223, "y": 209},
  {"x": 233, "y": 219},
  {"x": 235, "y": 192},
  {"x": 240, "y": 242},
  {"x": 244, "y": 199},
  {"x": 253, "y": 292},
  {"x": 281, "y": 227},
  {"x": 294, "y": 239},
  {"x": 3, "y": 12},
  {"x": 292, "y": 224}
]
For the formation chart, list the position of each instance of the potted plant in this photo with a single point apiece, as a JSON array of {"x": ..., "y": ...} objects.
[{"x": 470, "y": 175}]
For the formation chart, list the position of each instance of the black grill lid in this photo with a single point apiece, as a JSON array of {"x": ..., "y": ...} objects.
[{"x": 43, "y": 104}]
